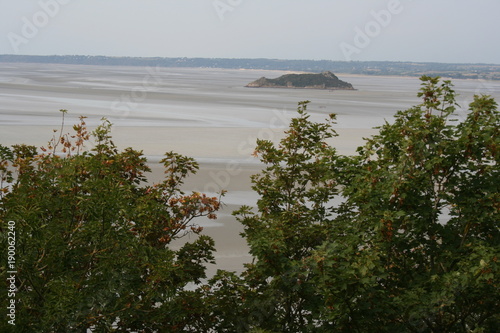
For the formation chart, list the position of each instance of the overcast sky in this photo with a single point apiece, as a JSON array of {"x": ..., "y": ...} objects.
[{"x": 397, "y": 30}]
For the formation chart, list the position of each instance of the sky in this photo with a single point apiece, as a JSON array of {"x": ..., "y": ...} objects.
[{"x": 456, "y": 31}]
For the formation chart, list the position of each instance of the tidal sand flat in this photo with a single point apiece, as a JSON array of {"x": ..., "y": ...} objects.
[{"x": 207, "y": 114}]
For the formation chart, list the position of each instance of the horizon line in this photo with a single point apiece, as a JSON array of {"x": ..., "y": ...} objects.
[{"x": 259, "y": 58}]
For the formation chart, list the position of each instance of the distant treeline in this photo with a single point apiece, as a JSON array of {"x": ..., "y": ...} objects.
[{"x": 452, "y": 70}]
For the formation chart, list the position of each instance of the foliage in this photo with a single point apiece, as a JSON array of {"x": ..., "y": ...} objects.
[
  {"x": 277, "y": 293},
  {"x": 402, "y": 237},
  {"x": 93, "y": 240},
  {"x": 324, "y": 80},
  {"x": 416, "y": 247}
]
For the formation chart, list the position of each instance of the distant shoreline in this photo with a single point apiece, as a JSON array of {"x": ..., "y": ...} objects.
[{"x": 366, "y": 68}]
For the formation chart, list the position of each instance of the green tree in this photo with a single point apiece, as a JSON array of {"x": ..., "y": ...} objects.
[
  {"x": 276, "y": 292},
  {"x": 93, "y": 239},
  {"x": 416, "y": 246},
  {"x": 402, "y": 237}
]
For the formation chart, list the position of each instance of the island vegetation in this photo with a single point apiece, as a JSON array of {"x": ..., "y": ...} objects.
[
  {"x": 413, "y": 246},
  {"x": 324, "y": 80}
]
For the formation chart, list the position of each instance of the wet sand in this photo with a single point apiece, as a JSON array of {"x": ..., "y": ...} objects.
[{"x": 207, "y": 114}]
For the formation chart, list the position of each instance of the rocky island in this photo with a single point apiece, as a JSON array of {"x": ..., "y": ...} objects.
[{"x": 324, "y": 80}]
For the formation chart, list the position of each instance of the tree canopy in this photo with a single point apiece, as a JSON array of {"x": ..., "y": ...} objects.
[
  {"x": 92, "y": 245},
  {"x": 402, "y": 237}
]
